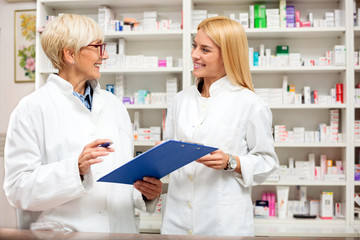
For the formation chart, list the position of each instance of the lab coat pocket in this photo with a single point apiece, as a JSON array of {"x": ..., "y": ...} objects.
[
  {"x": 236, "y": 216},
  {"x": 227, "y": 136}
]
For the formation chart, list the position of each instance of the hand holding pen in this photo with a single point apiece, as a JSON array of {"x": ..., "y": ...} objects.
[{"x": 91, "y": 154}]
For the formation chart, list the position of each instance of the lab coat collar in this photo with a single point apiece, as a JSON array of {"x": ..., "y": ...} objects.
[
  {"x": 220, "y": 86},
  {"x": 66, "y": 87}
]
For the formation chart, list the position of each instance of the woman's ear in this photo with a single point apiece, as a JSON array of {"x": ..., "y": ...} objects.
[{"x": 69, "y": 56}]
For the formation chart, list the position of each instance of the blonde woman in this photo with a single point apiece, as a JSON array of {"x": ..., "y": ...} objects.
[
  {"x": 212, "y": 196},
  {"x": 55, "y": 151}
]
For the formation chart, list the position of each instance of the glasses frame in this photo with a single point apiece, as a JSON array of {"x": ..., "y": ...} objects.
[{"x": 102, "y": 48}]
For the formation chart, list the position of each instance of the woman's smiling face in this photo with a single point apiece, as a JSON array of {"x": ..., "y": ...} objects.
[{"x": 207, "y": 59}]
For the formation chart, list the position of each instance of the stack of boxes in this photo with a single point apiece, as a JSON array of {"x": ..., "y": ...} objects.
[
  {"x": 151, "y": 134},
  {"x": 326, "y": 205},
  {"x": 198, "y": 17},
  {"x": 328, "y": 170},
  {"x": 259, "y": 16},
  {"x": 270, "y": 95},
  {"x": 105, "y": 16},
  {"x": 244, "y": 20},
  {"x": 119, "y": 85},
  {"x": 290, "y": 16},
  {"x": 171, "y": 89},
  {"x": 282, "y": 13},
  {"x": 150, "y": 21},
  {"x": 122, "y": 55},
  {"x": 334, "y": 125},
  {"x": 272, "y": 18},
  {"x": 339, "y": 55},
  {"x": 330, "y": 19},
  {"x": 357, "y": 132},
  {"x": 280, "y": 133},
  {"x": 338, "y": 18},
  {"x": 150, "y": 61},
  {"x": 295, "y": 59},
  {"x": 111, "y": 61},
  {"x": 282, "y": 53},
  {"x": 339, "y": 93},
  {"x": 299, "y": 134}
]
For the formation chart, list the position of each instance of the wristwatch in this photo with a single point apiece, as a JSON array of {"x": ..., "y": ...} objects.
[{"x": 232, "y": 163}]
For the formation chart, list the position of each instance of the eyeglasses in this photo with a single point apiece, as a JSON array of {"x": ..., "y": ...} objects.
[{"x": 102, "y": 48}]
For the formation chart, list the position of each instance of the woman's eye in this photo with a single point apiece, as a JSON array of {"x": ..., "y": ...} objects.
[
  {"x": 205, "y": 50},
  {"x": 193, "y": 45}
]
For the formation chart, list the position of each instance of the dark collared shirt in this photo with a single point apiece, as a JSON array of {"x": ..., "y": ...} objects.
[{"x": 86, "y": 99}]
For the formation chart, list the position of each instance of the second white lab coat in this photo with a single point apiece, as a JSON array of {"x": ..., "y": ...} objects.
[
  {"x": 47, "y": 132},
  {"x": 204, "y": 201}
]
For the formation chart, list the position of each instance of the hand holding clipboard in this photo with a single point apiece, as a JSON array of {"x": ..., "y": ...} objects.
[{"x": 158, "y": 162}]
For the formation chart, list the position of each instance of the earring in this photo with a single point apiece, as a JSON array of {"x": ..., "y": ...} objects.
[{"x": 73, "y": 62}]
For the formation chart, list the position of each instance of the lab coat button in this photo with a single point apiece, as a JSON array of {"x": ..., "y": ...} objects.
[
  {"x": 103, "y": 212},
  {"x": 189, "y": 232},
  {"x": 189, "y": 205},
  {"x": 191, "y": 177}
]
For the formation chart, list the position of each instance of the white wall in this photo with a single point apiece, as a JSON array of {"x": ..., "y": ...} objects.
[{"x": 10, "y": 92}]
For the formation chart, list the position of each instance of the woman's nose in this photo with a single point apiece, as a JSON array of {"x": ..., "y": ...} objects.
[
  {"x": 106, "y": 55},
  {"x": 194, "y": 54}
]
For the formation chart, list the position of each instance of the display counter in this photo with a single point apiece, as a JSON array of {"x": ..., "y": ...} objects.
[{"x": 12, "y": 234}]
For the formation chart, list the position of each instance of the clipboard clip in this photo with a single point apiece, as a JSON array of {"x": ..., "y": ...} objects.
[
  {"x": 198, "y": 148},
  {"x": 193, "y": 143}
]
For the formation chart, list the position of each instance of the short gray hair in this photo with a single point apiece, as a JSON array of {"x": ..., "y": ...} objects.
[{"x": 68, "y": 31}]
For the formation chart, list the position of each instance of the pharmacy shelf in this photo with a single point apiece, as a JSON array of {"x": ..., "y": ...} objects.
[
  {"x": 286, "y": 33},
  {"x": 301, "y": 69},
  {"x": 144, "y": 144},
  {"x": 311, "y": 145},
  {"x": 357, "y": 225},
  {"x": 305, "y": 183},
  {"x": 150, "y": 223},
  {"x": 274, "y": 227},
  {"x": 307, "y": 41},
  {"x": 145, "y": 35},
  {"x": 145, "y": 106},
  {"x": 357, "y": 31},
  {"x": 307, "y": 106},
  {"x": 317, "y": 221},
  {"x": 143, "y": 70},
  {"x": 87, "y": 4},
  {"x": 356, "y": 144},
  {"x": 357, "y": 183},
  {"x": 304, "y": 228},
  {"x": 249, "y": 2},
  {"x": 290, "y": 33},
  {"x": 130, "y": 71}
]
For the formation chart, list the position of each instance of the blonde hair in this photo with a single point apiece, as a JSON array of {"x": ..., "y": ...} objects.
[
  {"x": 68, "y": 31},
  {"x": 230, "y": 36}
]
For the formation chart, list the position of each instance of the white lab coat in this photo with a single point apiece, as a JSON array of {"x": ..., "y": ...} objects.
[
  {"x": 204, "y": 201},
  {"x": 47, "y": 132}
]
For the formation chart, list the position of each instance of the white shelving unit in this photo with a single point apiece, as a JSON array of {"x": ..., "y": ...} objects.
[
  {"x": 310, "y": 42},
  {"x": 356, "y": 111}
]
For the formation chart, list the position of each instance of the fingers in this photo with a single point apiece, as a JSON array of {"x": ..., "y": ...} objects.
[
  {"x": 216, "y": 160},
  {"x": 158, "y": 142},
  {"x": 97, "y": 142},
  {"x": 150, "y": 187},
  {"x": 91, "y": 153}
]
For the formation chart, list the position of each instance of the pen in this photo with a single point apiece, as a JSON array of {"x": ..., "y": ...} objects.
[{"x": 105, "y": 145}]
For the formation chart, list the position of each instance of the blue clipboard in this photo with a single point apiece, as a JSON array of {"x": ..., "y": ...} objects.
[{"x": 157, "y": 162}]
